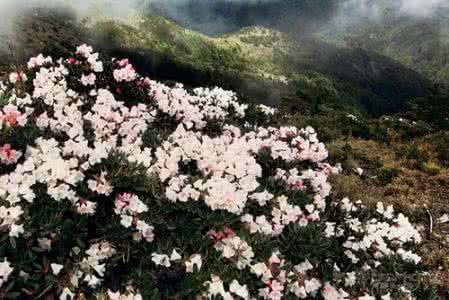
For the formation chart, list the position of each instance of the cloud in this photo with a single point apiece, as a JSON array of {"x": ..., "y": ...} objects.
[
  {"x": 376, "y": 8},
  {"x": 422, "y": 7},
  {"x": 11, "y": 9}
]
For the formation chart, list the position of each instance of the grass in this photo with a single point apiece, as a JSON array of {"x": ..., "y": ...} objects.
[{"x": 420, "y": 192}]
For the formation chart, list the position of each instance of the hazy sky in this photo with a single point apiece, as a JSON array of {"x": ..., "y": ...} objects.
[{"x": 348, "y": 11}]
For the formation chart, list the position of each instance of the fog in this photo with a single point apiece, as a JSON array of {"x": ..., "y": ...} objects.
[
  {"x": 220, "y": 16},
  {"x": 10, "y": 10}
]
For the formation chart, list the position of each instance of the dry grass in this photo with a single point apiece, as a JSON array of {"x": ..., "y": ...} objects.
[{"x": 422, "y": 193}]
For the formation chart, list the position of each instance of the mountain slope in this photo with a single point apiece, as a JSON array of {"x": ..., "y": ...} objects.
[
  {"x": 420, "y": 44},
  {"x": 255, "y": 61}
]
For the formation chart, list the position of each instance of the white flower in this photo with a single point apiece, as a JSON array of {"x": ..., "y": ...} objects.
[
  {"x": 126, "y": 221},
  {"x": 44, "y": 244},
  {"x": 66, "y": 294},
  {"x": 350, "y": 279},
  {"x": 15, "y": 230},
  {"x": 161, "y": 259},
  {"x": 86, "y": 207},
  {"x": 259, "y": 269},
  {"x": 239, "y": 290},
  {"x": 56, "y": 268},
  {"x": 266, "y": 109},
  {"x": 386, "y": 297},
  {"x": 175, "y": 255},
  {"x": 216, "y": 288},
  {"x": 236, "y": 248},
  {"x": 312, "y": 285},
  {"x": 195, "y": 260},
  {"x": 15, "y": 77},
  {"x": 303, "y": 267},
  {"x": 92, "y": 280},
  {"x": 126, "y": 73},
  {"x": 367, "y": 297},
  {"x": 5, "y": 271},
  {"x": 88, "y": 79}
]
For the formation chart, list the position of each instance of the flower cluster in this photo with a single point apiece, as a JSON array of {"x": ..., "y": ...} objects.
[
  {"x": 129, "y": 207},
  {"x": 103, "y": 172},
  {"x": 92, "y": 268},
  {"x": 233, "y": 248},
  {"x": 92, "y": 57},
  {"x": 126, "y": 71},
  {"x": 129, "y": 294},
  {"x": 194, "y": 262},
  {"x": 267, "y": 110},
  {"x": 39, "y": 61},
  {"x": 10, "y": 116},
  {"x": 383, "y": 236},
  {"x": 216, "y": 288},
  {"x": 198, "y": 108}
]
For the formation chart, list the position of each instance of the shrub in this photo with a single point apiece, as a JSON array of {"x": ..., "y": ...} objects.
[
  {"x": 386, "y": 175},
  {"x": 440, "y": 144},
  {"x": 116, "y": 185}
]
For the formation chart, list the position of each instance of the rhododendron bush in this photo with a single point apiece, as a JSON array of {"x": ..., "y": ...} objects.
[{"x": 114, "y": 185}]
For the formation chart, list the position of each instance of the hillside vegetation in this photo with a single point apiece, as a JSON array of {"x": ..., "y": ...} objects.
[
  {"x": 370, "y": 93},
  {"x": 420, "y": 44},
  {"x": 115, "y": 185}
]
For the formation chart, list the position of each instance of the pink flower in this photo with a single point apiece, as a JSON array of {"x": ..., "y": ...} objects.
[
  {"x": 7, "y": 154},
  {"x": 12, "y": 116},
  {"x": 122, "y": 201},
  {"x": 331, "y": 293},
  {"x": 86, "y": 207},
  {"x": 88, "y": 79},
  {"x": 84, "y": 50},
  {"x": 100, "y": 185},
  {"x": 123, "y": 62},
  {"x": 17, "y": 76},
  {"x": 227, "y": 233},
  {"x": 38, "y": 61},
  {"x": 73, "y": 61},
  {"x": 148, "y": 234},
  {"x": 125, "y": 74}
]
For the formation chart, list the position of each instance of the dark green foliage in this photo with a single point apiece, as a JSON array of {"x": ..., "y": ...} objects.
[
  {"x": 386, "y": 175},
  {"x": 433, "y": 109},
  {"x": 301, "y": 243},
  {"x": 424, "y": 292},
  {"x": 152, "y": 138},
  {"x": 413, "y": 152},
  {"x": 440, "y": 144},
  {"x": 3, "y": 100}
]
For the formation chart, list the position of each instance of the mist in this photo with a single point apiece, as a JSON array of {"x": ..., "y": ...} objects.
[
  {"x": 300, "y": 17},
  {"x": 10, "y": 10},
  {"x": 222, "y": 16}
]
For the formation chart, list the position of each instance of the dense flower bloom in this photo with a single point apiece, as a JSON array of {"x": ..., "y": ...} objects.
[
  {"x": 91, "y": 158},
  {"x": 126, "y": 73},
  {"x": 39, "y": 61}
]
